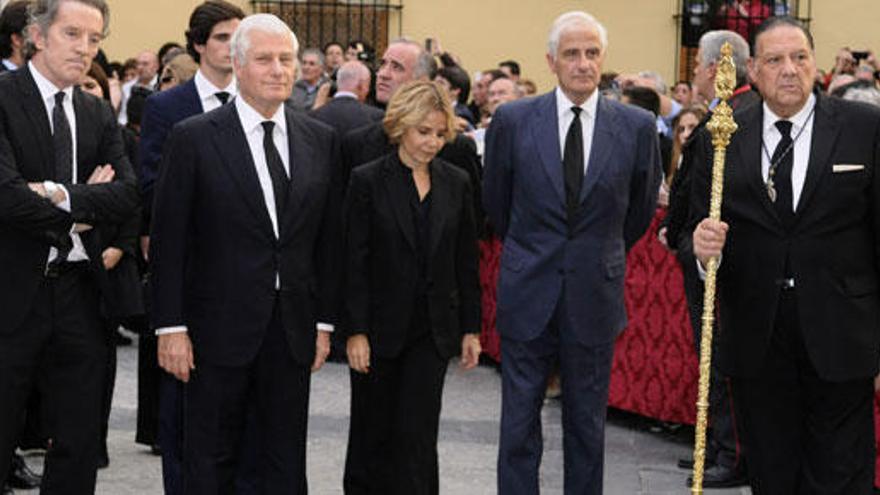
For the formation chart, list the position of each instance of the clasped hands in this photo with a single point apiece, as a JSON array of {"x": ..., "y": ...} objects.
[
  {"x": 102, "y": 174},
  {"x": 357, "y": 347}
]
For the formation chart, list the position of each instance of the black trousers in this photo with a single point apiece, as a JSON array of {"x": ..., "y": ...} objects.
[
  {"x": 724, "y": 445},
  {"x": 805, "y": 435},
  {"x": 218, "y": 400},
  {"x": 60, "y": 348},
  {"x": 395, "y": 416},
  {"x": 148, "y": 390}
]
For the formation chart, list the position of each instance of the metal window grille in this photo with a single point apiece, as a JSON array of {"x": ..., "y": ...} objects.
[
  {"x": 696, "y": 17},
  {"x": 318, "y": 22}
]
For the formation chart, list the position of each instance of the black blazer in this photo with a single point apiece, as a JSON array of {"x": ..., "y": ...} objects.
[
  {"x": 214, "y": 254},
  {"x": 381, "y": 260},
  {"x": 832, "y": 247},
  {"x": 370, "y": 142},
  {"x": 30, "y": 225},
  {"x": 345, "y": 114}
]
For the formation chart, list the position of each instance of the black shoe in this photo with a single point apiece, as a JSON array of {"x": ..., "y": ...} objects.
[
  {"x": 21, "y": 476},
  {"x": 722, "y": 477},
  {"x": 6, "y": 490},
  {"x": 103, "y": 460},
  {"x": 156, "y": 449}
]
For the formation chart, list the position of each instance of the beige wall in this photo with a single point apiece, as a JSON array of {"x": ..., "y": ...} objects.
[{"x": 642, "y": 33}]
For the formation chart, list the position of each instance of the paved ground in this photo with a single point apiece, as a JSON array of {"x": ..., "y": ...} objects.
[{"x": 640, "y": 455}]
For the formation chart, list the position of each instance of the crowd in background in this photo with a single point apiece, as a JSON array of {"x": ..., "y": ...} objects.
[{"x": 353, "y": 72}]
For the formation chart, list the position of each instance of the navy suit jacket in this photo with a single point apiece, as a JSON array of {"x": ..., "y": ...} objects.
[
  {"x": 524, "y": 195},
  {"x": 161, "y": 111},
  {"x": 214, "y": 254}
]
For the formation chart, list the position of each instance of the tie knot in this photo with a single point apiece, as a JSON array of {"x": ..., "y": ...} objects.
[
  {"x": 577, "y": 111},
  {"x": 268, "y": 127},
  {"x": 784, "y": 127},
  {"x": 223, "y": 96},
  {"x": 59, "y": 97}
]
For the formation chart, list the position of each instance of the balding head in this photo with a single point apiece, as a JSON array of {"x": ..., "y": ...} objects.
[
  {"x": 147, "y": 67},
  {"x": 354, "y": 77}
]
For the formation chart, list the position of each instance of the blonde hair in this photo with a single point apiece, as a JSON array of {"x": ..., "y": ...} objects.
[{"x": 411, "y": 105}]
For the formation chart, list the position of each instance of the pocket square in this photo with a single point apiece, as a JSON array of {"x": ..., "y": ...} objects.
[{"x": 846, "y": 167}]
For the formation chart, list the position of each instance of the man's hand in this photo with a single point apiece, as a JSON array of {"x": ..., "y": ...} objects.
[
  {"x": 102, "y": 174},
  {"x": 111, "y": 257},
  {"x": 877, "y": 383},
  {"x": 322, "y": 349},
  {"x": 79, "y": 228},
  {"x": 38, "y": 188},
  {"x": 322, "y": 97},
  {"x": 470, "y": 350},
  {"x": 176, "y": 355},
  {"x": 709, "y": 238},
  {"x": 661, "y": 236},
  {"x": 357, "y": 347}
]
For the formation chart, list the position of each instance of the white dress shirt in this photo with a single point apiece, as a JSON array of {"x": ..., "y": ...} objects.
[
  {"x": 252, "y": 125},
  {"x": 8, "y": 64},
  {"x": 802, "y": 129},
  {"x": 207, "y": 91},
  {"x": 565, "y": 117},
  {"x": 47, "y": 94}
]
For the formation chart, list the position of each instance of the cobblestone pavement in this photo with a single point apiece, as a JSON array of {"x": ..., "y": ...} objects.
[{"x": 640, "y": 455}]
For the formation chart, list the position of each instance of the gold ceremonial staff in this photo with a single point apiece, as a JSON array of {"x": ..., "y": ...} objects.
[{"x": 721, "y": 126}]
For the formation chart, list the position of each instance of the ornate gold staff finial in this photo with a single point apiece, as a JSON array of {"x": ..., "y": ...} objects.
[{"x": 721, "y": 126}]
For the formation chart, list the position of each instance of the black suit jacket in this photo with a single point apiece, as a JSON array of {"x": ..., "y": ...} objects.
[
  {"x": 382, "y": 264},
  {"x": 370, "y": 142},
  {"x": 832, "y": 247},
  {"x": 213, "y": 251},
  {"x": 345, "y": 114},
  {"x": 30, "y": 225}
]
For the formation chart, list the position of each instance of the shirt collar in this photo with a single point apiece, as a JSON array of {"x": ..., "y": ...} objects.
[
  {"x": 46, "y": 87},
  {"x": 563, "y": 104},
  {"x": 345, "y": 94},
  {"x": 798, "y": 120},
  {"x": 9, "y": 65},
  {"x": 206, "y": 88},
  {"x": 251, "y": 120}
]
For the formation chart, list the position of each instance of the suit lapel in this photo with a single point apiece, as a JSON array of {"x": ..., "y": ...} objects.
[
  {"x": 601, "y": 147},
  {"x": 545, "y": 132},
  {"x": 301, "y": 162},
  {"x": 84, "y": 138},
  {"x": 195, "y": 102},
  {"x": 236, "y": 157},
  {"x": 400, "y": 198},
  {"x": 825, "y": 133},
  {"x": 33, "y": 107},
  {"x": 441, "y": 202},
  {"x": 749, "y": 133}
]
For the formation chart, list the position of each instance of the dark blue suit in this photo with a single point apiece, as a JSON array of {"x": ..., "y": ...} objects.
[
  {"x": 560, "y": 290},
  {"x": 161, "y": 111}
]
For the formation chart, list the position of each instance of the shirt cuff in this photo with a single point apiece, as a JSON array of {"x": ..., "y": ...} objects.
[
  {"x": 325, "y": 327},
  {"x": 64, "y": 205},
  {"x": 701, "y": 271},
  {"x": 167, "y": 330}
]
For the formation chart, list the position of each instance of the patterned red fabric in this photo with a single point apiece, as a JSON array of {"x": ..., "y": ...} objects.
[
  {"x": 490, "y": 261},
  {"x": 655, "y": 369}
]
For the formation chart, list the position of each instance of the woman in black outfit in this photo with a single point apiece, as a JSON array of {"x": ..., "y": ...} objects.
[{"x": 412, "y": 295}]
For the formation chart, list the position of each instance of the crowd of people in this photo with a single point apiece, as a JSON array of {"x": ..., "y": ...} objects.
[{"x": 251, "y": 208}]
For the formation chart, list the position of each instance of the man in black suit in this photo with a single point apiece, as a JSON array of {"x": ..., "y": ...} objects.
[
  {"x": 63, "y": 170},
  {"x": 798, "y": 280},
  {"x": 243, "y": 246},
  {"x": 347, "y": 111},
  {"x": 210, "y": 28},
  {"x": 725, "y": 453},
  {"x": 404, "y": 61}
]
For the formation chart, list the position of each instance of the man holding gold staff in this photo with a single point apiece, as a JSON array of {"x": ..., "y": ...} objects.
[{"x": 798, "y": 279}]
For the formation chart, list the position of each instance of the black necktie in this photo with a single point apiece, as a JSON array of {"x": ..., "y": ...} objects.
[
  {"x": 573, "y": 163},
  {"x": 783, "y": 156},
  {"x": 223, "y": 96},
  {"x": 62, "y": 142},
  {"x": 280, "y": 181}
]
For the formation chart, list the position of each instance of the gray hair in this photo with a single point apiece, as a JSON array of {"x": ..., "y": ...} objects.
[
  {"x": 350, "y": 74},
  {"x": 267, "y": 23},
  {"x": 425, "y": 64},
  {"x": 659, "y": 84},
  {"x": 864, "y": 95},
  {"x": 569, "y": 20},
  {"x": 710, "y": 51},
  {"x": 315, "y": 52},
  {"x": 42, "y": 14}
]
